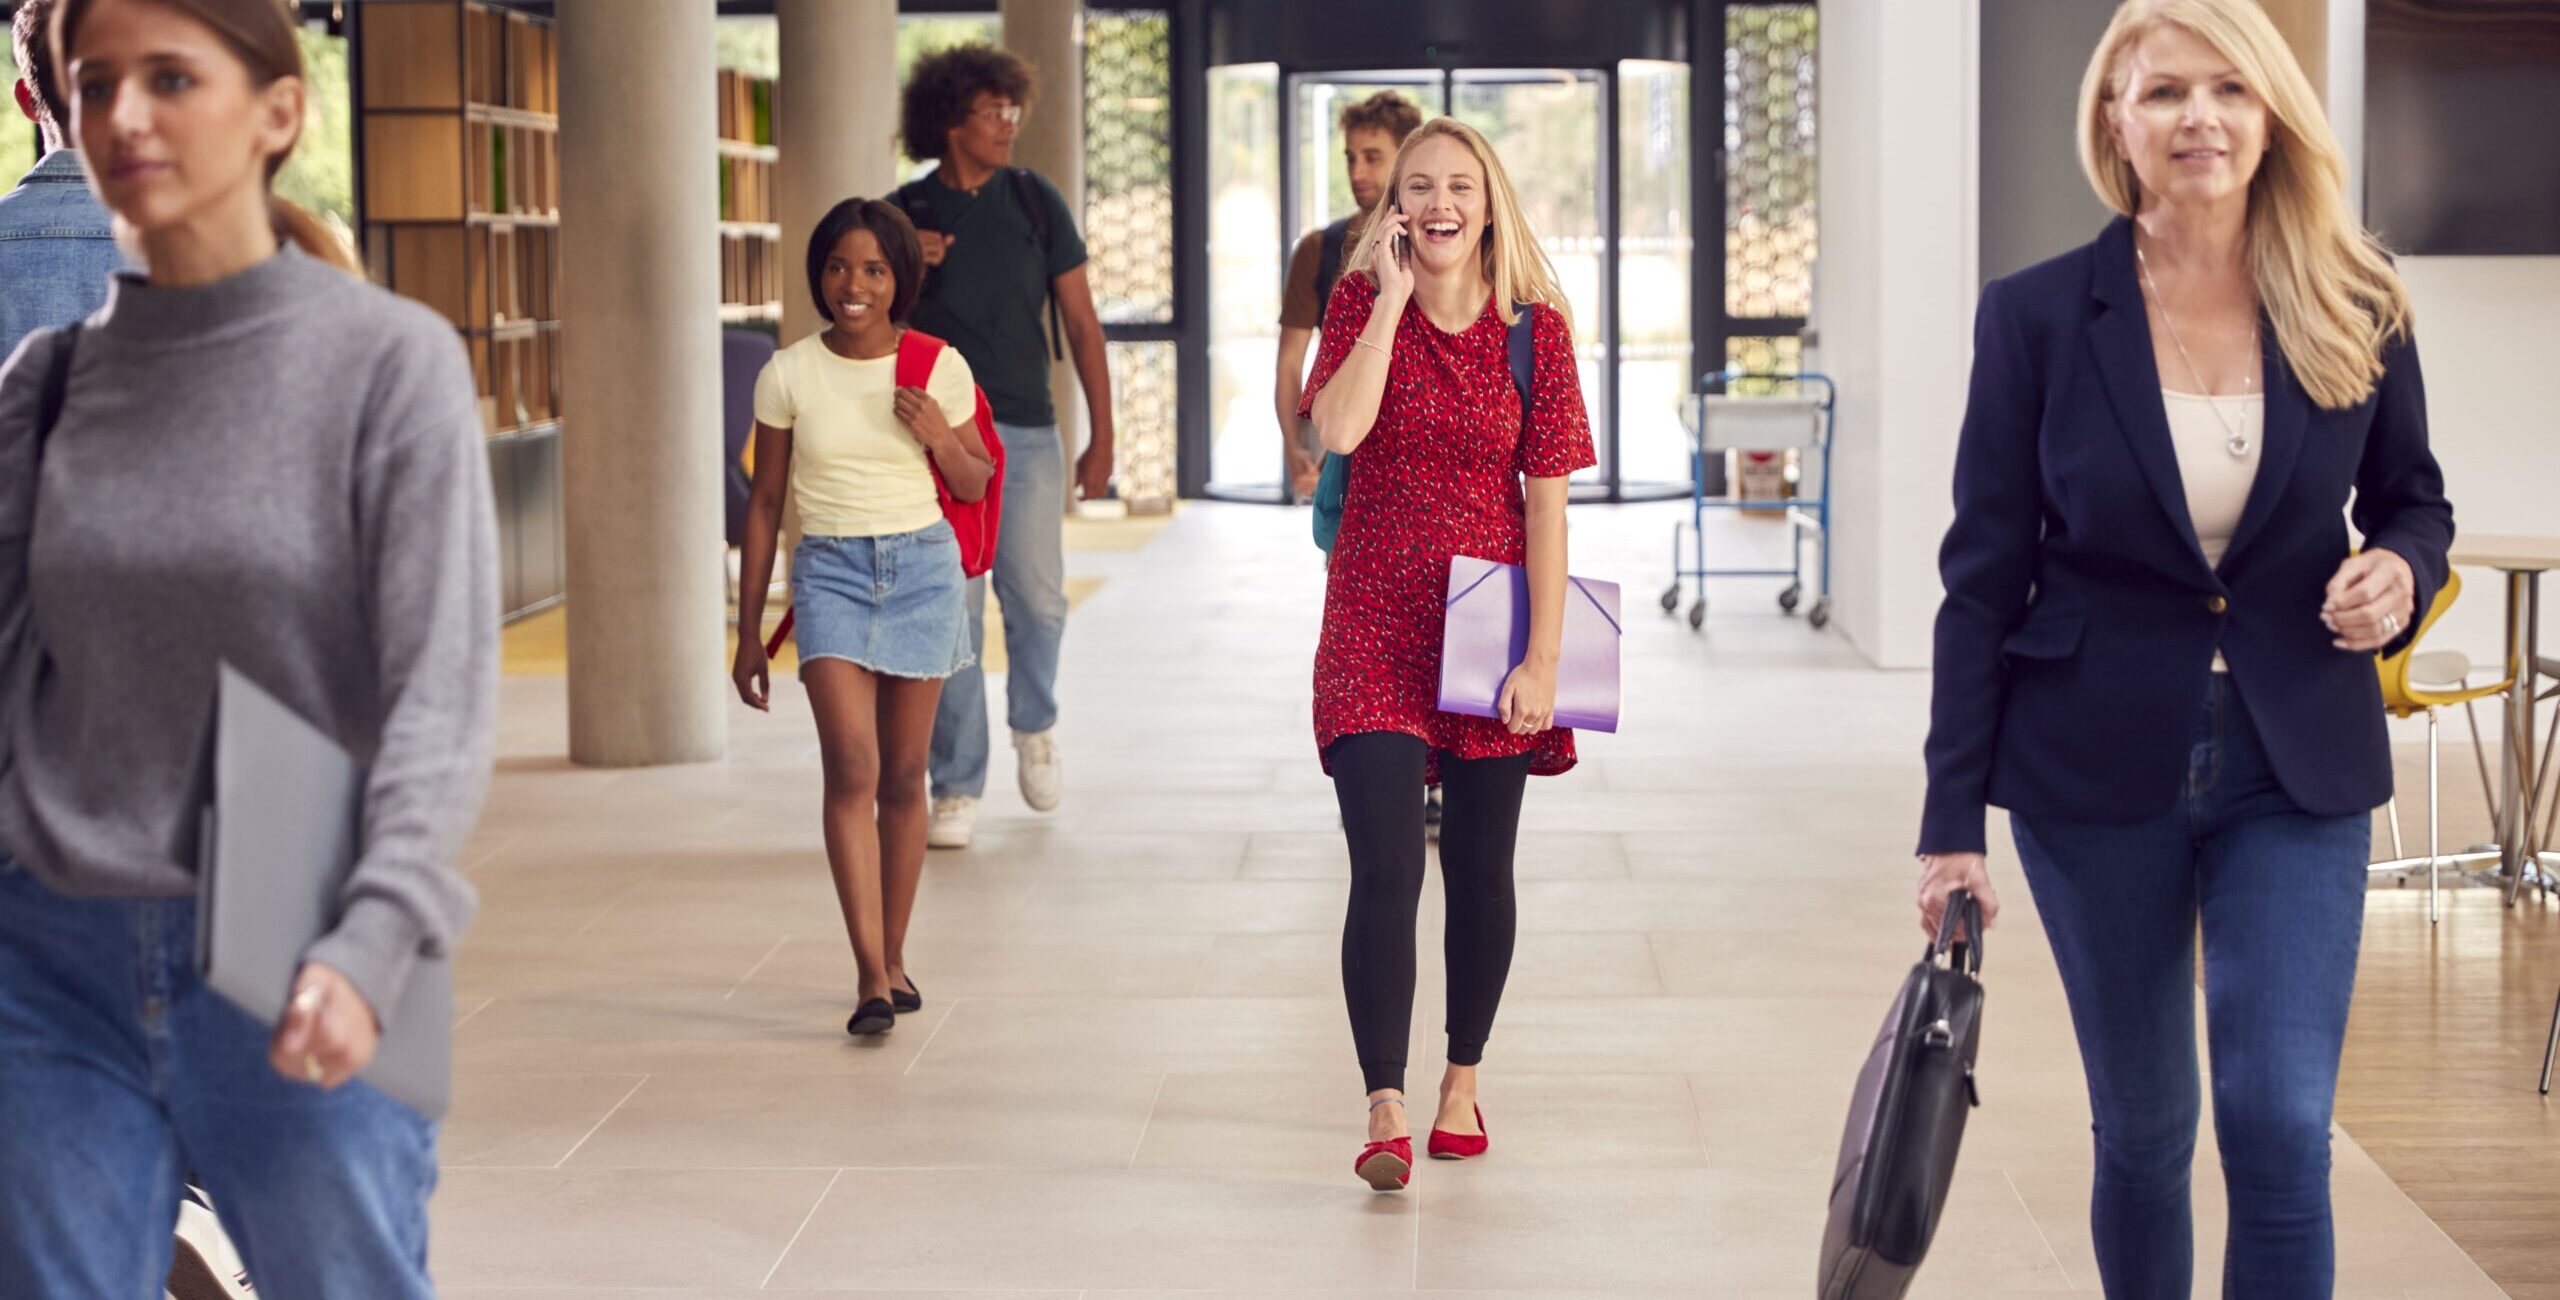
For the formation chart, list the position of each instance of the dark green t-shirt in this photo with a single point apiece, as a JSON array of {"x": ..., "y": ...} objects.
[{"x": 991, "y": 300}]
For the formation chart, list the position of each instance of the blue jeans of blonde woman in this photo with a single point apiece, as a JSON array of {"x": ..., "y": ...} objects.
[
  {"x": 2278, "y": 894},
  {"x": 121, "y": 1074}
]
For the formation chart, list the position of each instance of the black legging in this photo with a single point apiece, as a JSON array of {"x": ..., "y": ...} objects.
[{"x": 1377, "y": 775}]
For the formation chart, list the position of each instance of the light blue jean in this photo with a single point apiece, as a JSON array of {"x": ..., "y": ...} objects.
[
  {"x": 1031, "y": 588},
  {"x": 2279, "y": 896},
  {"x": 122, "y": 1075}
]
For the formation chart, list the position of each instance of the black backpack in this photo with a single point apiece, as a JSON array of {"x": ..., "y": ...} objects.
[
  {"x": 1329, "y": 252},
  {"x": 912, "y": 200}
]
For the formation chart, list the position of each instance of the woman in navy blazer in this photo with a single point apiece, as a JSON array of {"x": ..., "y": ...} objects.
[{"x": 2156, "y": 649}]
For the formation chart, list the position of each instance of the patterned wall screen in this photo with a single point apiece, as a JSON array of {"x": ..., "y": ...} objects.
[
  {"x": 1144, "y": 400},
  {"x": 1763, "y": 356},
  {"x": 1128, "y": 166},
  {"x": 1770, "y": 160},
  {"x": 1128, "y": 231}
]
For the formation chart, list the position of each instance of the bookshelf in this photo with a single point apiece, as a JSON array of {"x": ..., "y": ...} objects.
[
  {"x": 458, "y": 107},
  {"x": 752, "y": 266}
]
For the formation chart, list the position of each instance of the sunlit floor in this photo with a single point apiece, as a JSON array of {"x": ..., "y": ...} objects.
[{"x": 1134, "y": 1073}]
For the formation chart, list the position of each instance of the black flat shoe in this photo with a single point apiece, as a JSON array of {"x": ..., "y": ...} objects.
[
  {"x": 872, "y": 1017},
  {"x": 907, "y": 999}
]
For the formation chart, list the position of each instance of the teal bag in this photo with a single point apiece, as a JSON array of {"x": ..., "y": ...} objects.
[{"x": 1333, "y": 485}]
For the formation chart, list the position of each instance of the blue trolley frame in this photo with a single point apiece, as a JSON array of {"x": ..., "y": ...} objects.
[{"x": 1802, "y": 517}]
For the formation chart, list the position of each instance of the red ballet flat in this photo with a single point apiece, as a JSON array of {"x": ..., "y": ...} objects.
[
  {"x": 1446, "y": 1145},
  {"x": 1386, "y": 1166}
]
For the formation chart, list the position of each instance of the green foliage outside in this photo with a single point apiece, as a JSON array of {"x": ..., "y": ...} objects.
[
  {"x": 322, "y": 173},
  {"x": 752, "y": 46},
  {"x": 17, "y": 138}
]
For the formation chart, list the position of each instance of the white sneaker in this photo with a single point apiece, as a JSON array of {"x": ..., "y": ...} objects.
[
  {"x": 955, "y": 820},
  {"x": 204, "y": 1265},
  {"x": 1038, "y": 768}
]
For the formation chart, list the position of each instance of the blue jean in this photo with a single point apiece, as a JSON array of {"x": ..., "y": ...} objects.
[
  {"x": 1031, "y": 588},
  {"x": 2280, "y": 894},
  {"x": 124, "y": 1076}
]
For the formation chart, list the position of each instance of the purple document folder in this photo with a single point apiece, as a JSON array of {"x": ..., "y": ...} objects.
[{"x": 1488, "y": 635}]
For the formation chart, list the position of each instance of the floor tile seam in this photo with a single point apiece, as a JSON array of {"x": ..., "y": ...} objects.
[
  {"x": 805, "y": 1221},
  {"x": 609, "y": 908},
  {"x": 599, "y": 1124},
  {"x": 2038, "y": 1224},
  {"x": 761, "y": 962},
  {"x": 948, "y": 1015},
  {"x": 1163, "y": 1081}
]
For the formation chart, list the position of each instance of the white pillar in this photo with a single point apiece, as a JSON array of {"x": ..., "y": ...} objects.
[
  {"x": 640, "y": 383},
  {"x": 836, "y": 125},
  {"x": 1899, "y": 247},
  {"x": 1050, "y": 35}
]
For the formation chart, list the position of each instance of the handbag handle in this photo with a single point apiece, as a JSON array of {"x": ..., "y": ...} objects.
[{"x": 1964, "y": 954}]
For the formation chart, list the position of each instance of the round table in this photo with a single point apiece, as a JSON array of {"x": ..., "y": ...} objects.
[{"x": 2524, "y": 560}]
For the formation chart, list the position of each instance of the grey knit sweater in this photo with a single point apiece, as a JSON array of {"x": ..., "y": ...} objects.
[{"x": 283, "y": 470}]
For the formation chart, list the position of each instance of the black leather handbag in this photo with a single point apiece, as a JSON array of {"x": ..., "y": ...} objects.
[{"x": 1899, "y": 1151}]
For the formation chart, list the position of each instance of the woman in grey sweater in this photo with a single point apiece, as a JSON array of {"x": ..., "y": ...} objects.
[{"x": 264, "y": 461}]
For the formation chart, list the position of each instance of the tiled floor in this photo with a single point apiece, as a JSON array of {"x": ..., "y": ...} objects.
[{"x": 1134, "y": 1075}]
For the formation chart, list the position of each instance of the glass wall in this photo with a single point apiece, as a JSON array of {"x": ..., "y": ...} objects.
[
  {"x": 1550, "y": 129},
  {"x": 1244, "y": 279},
  {"x": 1323, "y": 187},
  {"x": 1657, "y": 236}
]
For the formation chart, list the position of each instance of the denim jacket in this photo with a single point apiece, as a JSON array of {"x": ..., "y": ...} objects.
[{"x": 57, "y": 249}]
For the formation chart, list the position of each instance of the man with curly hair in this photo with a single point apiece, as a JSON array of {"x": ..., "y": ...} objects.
[
  {"x": 1008, "y": 288},
  {"x": 57, "y": 247},
  {"x": 1372, "y": 130}
]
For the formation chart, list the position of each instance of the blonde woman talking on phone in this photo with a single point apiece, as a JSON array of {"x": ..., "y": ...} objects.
[{"x": 1414, "y": 384}]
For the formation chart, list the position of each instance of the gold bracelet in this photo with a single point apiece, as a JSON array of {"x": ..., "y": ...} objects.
[{"x": 1362, "y": 341}]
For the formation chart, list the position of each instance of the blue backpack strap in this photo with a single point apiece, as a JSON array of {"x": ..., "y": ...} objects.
[
  {"x": 1524, "y": 352},
  {"x": 1329, "y": 250}
]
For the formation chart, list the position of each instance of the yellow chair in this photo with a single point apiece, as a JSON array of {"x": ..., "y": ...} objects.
[{"x": 2413, "y": 683}]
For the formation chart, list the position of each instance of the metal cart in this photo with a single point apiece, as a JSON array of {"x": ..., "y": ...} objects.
[{"x": 1719, "y": 421}]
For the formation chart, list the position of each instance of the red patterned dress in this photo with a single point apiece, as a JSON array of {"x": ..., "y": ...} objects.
[{"x": 1438, "y": 476}]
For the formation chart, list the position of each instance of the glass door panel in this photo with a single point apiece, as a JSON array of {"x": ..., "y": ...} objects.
[
  {"x": 1322, "y": 189},
  {"x": 1657, "y": 235},
  {"x": 1550, "y": 130},
  {"x": 1245, "y": 457}
]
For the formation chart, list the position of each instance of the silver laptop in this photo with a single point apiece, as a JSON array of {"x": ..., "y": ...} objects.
[{"x": 279, "y": 827}]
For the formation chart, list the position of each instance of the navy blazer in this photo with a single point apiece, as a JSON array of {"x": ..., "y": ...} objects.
[{"x": 2076, "y": 643}]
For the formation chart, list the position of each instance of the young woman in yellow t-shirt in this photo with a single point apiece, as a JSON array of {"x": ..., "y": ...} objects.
[{"x": 876, "y": 584}]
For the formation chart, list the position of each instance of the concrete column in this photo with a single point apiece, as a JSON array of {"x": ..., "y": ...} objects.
[
  {"x": 1896, "y": 292},
  {"x": 836, "y": 124},
  {"x": 2305, "y": 24},
  {"x": 1050, "y": 34},
  {"x": 640, "y": 241}
]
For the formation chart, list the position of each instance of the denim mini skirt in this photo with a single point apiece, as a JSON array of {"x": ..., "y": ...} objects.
[{"x": 890, "y": 604}]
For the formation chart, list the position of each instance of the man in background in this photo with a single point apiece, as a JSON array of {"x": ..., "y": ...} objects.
[
  {"x": 57, "y": 246},
  {"x": 1372, "y": 131},
  {"x": 1008, "y": 288}
]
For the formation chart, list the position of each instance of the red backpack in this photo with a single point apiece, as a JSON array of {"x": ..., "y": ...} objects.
[{"x": 974, "y": 522}]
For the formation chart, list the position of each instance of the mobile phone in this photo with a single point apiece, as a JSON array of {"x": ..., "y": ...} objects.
[{"x": 1402, "y": 242}]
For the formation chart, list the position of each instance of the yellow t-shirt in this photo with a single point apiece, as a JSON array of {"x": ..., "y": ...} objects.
[{"x": 856, "y": 469}]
